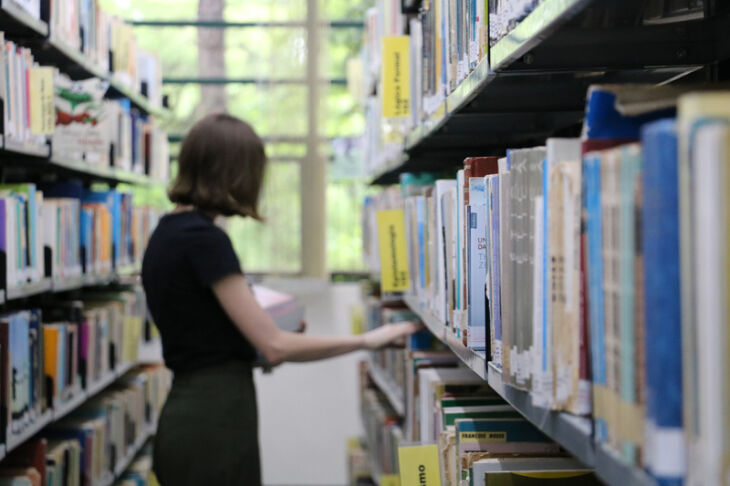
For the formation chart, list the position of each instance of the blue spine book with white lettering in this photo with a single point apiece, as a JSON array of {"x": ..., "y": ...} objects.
[{"x": 660, "y": 238}]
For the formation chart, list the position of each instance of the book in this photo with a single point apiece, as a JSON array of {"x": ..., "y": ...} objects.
[
  {"x": 664, "y": 445},
  {"x": 706, "y": 115},
  {"x": 286, "y": 311},
  {"x": 511, "y": 471}
]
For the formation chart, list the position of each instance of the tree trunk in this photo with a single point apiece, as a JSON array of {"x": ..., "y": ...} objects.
[{"x": 211, "y": 58}]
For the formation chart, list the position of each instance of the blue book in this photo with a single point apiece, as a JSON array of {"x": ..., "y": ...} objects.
[
  {"x": 594, "y": 234},
  {"x": 663, "y": 334},
  {"x": 422, "y": 228},
  {"x": 86, "y": 222},
  {"x": 604, "y": 121},
  {"x": 113, "y": 201}
]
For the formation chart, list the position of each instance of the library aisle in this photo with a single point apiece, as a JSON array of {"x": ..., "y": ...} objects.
[{"x": 382, "y": 243}]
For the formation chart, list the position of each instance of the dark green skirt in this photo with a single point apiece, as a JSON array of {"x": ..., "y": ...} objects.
[{"x": 208, "y": 429}]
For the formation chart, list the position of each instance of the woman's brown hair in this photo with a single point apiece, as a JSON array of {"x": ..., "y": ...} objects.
[{"x": 221, "y": 167}]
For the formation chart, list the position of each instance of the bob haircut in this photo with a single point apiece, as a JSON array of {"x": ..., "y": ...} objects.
[{"x": 221, "y": 167}]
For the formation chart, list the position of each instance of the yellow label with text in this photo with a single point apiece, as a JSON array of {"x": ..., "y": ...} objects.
[
  {"x": 394, "y": 274},
  {"x": 477, "y": 437},
  {"x": 42, "y": 111},
  {"x": 396, "y": 72},
  {"x": 389, "y": 480},
  {"x": 419, "y": 465}
]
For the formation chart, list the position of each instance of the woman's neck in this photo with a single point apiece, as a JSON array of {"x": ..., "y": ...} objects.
[{"x": 182, "y": 208}]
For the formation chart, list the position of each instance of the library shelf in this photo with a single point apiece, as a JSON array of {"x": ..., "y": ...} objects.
[
  {"x": 28, "y": 290},
  {"x": 471, "y": 86},
  {"x": 108, "y": 174},
  {"x": 69, "y": 59},
  {"x": 118, "y": 89},
  {"x": 49, "y": 50},
  {"x": 14, "y": 440},
  {"x": 104, "y": 381},
  {"x": 66, "y": 284},
  {"x": 19, "y": 148},
  {"x": 573, "y": 433},
  {"x": 76, "y": 65},
  {"x": 123, "y": 368},
  {"x": 47, "y": 285},
  {"x": 125, "y": 461},
  {"x": 61, "y": 409},
  {"x": 534, "y": 82},
  {"x": 17, "y": 20},
  {"x": 393, "y": 392},
  {"x": 150, "y": 352},
  {"x": 430, "y": 124},
  {"x": 547, "y": 17}
]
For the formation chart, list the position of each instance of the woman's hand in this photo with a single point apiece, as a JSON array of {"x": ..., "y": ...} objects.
[{"x": 389, "y": 334}]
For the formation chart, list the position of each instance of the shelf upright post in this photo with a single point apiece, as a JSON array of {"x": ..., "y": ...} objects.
[{"x": 313, "y": 173}]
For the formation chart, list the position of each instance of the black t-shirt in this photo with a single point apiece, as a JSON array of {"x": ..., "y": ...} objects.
[{"x": 185, "y": 256}]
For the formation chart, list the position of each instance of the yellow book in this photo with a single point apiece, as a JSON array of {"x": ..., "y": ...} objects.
[{"x": 50, "y": 355}]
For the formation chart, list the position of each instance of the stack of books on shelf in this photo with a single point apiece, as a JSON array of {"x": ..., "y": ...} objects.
[
  {"x": 62, "y": 231},
  {"x": 21, "y": 106},
  {"x": 592, "y": 272},
  {"x": 107, "y": 42},
  {"x": 98, "y": 441},
  {"x": 42, "y": 104},
  {"x": 478, "y": 433},
  {"x": 105, "y": 132},
  {"x": 447, "y": 39}
]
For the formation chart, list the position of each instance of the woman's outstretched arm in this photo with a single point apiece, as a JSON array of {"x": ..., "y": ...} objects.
[{"x": 279, "y": 346}]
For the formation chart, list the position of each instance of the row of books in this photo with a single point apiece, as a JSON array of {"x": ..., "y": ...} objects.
[
  {"x": 89, "y": 446},
  {"x": 106, "y": 40},
  {"x": 505, "y": 15},
  {"x": 62, "y": 231},
  {"x": 50, "y": 356},
  {"x": 585, "y": 268},
  {"x": 41, "y": 104},
  {"x": 454, "y": 408},
  {"x": 139, "y": 473},
  {"x": 105, "y": 132}
]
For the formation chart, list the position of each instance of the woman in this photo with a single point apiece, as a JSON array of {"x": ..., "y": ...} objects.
[{"x": 209, "y": 320}]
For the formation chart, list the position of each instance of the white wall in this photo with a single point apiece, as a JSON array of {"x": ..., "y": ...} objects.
[{"x": 307, "y": 411}]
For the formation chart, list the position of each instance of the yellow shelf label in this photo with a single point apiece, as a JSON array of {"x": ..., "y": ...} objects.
[
  {"x": 419, "y": 465},
  {"x": 396, "y": 72},
  {"x": 394, "y": 274},
  {"x": 389, "y": 480}
]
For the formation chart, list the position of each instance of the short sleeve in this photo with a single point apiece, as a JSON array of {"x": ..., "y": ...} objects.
[{"x": 212, "y": 257}]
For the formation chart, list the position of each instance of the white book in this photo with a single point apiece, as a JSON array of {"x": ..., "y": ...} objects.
[
  {"x": 558, "y": 150},
  {"x": 477, "y": 263},
  {"x": 709, "y": 202},
  {"x": 494, "y": 466}
]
